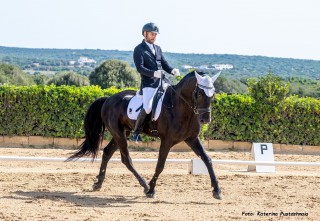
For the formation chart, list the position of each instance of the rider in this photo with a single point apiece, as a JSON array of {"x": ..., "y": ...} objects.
[{"x": 151, "y": 65}]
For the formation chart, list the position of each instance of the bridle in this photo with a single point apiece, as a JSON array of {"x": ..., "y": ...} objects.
[{"x": 197, "y": 110}]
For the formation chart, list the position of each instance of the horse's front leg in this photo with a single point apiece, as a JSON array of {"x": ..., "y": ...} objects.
[
  {"x": 126, "y": 160},
  {"x": 107, "y": 154},
  {"x": 197, "y": 147},
  {"x": 163, "y": 154}
]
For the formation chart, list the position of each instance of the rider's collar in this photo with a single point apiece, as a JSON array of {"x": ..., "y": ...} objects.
[{"x": 150, "y": 45}]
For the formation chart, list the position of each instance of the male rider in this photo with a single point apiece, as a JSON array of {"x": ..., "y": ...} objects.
[{"x": 151, "y": 65}]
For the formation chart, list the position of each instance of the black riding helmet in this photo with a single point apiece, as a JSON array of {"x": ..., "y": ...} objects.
[{"x": 150, "y": 27}]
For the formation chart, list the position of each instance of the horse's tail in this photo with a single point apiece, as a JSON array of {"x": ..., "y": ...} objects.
[{"x": 94, "y": 129}]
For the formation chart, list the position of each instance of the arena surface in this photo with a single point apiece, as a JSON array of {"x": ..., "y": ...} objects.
[{"x": 62, "y": 191}]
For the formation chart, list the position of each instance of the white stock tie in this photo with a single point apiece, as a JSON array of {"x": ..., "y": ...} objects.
[{"x": 152, "y": 49}]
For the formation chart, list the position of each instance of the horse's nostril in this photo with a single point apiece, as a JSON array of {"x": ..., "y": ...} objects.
[{"x": 205, "y": 121}]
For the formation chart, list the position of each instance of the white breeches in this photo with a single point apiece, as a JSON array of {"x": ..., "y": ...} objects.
[{"x": 147, "y": 98}]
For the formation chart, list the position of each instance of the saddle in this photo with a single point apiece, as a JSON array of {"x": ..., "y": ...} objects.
[{"x": 135, "y": 104}]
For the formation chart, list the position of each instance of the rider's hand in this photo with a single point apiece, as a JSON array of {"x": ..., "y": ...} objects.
[
  {"x": 175, "y": 72},
  {"x": 158, "y": 74}
]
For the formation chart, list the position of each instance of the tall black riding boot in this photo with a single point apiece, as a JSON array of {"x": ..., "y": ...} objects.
[{"x": 139, "y": 126}]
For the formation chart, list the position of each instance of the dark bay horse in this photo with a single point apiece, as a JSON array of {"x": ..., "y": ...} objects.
[{"x": 185, "y": 107}]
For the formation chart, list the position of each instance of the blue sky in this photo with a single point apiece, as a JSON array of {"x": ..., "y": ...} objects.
[{"x": 274, "y": 28}]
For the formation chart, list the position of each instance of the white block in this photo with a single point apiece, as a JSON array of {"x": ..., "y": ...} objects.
[{"x": 198, "y": 167}]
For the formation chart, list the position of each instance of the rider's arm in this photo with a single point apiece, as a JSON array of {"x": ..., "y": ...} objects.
[{"x": 139, "y": 62}]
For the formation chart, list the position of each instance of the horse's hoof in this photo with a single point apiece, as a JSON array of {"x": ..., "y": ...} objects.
[
  {"x": 96, "y": 187},
  {"x": 150, "y": 194},
  {"x": 146, "y": 189},
  {"x": 217, "y": 195}
]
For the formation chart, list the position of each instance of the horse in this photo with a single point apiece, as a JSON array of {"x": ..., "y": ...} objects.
[{"x": 186, "y": 106}]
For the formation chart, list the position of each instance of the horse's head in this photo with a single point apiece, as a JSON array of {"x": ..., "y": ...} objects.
[{"x": 202, "y": 96}]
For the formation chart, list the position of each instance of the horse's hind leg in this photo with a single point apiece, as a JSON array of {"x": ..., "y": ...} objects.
[
  {"x": 126, "y": 160},
  {"x": 197, "y": 147},
  {"x": 108, "y": 151}
]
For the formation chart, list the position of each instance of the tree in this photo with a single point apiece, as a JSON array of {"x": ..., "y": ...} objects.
[
  {"x": 40, "y": 79},
  {"x": 114, "y": 73},
  {"x": 68, "y": 78},
  {"x": 229, "y": 86},
  {"x": 268, "y": 89},
  {"x": 10, "y": 74},
  {"x": 301, "y": 91}
]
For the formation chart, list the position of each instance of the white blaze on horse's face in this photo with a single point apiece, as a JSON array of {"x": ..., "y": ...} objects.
[{"x": 206, "y": 83}]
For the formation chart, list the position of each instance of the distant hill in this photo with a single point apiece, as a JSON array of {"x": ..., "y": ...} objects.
[{"x": 243, "y": 66}]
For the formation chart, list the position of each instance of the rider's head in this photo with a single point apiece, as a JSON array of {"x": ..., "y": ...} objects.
[{"x": 149, "y": 32}]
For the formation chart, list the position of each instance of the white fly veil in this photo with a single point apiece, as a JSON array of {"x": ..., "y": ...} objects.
[{"x": 206, "y": 83}]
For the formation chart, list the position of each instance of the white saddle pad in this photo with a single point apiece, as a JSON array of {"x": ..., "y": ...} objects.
[{"x": 136, "y": 102}]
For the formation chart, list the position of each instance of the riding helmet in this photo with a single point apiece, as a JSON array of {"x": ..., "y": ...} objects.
[{"x": 150, "y": 27}]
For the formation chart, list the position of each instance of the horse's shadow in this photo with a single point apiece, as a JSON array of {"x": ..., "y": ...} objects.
[
  {"x": 89, "y": 201},
  {"x": 77, "y": 199}
]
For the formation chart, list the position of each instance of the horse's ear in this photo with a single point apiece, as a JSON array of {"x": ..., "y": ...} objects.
[
  {"x": 214, "y": 78},
  {"x": 198, "y": 76}
]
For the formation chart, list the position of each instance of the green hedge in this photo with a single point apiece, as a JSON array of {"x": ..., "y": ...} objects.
[
  {"x": 59, "y": 112},
  {"x": 241, "y": 118},
  {"x": 46, "y": 110}
]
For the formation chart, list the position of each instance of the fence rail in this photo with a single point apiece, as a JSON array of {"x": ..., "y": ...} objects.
[{"x": 180, "y": 161}]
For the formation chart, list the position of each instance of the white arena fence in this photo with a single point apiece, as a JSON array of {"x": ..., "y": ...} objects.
[
  {"x": 180, "y": 161},
  {"x": 189, "y": 162}
]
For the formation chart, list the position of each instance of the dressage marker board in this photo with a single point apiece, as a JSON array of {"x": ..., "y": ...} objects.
[{"x": 262, "y": 152}]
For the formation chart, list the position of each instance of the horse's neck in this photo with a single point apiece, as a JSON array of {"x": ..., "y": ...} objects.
[{"x": 183, "y": 96}]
